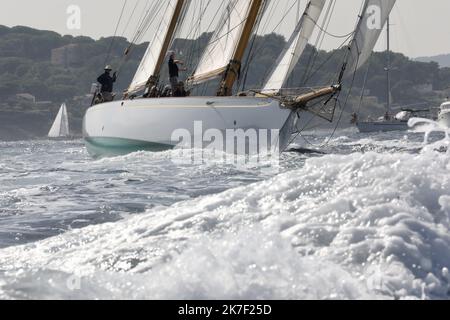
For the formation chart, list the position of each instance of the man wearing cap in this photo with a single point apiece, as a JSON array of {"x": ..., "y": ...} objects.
[
  {"x": 174, "y": 71},
  {"x": 107, "y": 83}
]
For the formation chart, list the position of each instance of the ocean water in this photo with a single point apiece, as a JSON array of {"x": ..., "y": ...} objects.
[{"x": 367, "y": 217}]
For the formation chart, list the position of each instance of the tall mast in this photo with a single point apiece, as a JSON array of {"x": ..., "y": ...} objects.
[
  {"x": 233, "y": 69},
  {"x": 154, "y": 78},
  {"x": 388, "y": 67}
]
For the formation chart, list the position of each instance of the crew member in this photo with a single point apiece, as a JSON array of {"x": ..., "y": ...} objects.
[
  {"x": 174, "y": 71},
  {"x": 107, "y": 83}
]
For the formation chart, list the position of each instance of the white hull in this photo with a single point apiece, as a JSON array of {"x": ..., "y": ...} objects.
[
  {"x": 149, "y": 124},
  {"x": 444, "y": 118},
  {"x": 382, "y": 126}
]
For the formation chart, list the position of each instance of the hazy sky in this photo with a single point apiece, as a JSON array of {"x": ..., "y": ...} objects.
[{"x": 419, "y": 27}]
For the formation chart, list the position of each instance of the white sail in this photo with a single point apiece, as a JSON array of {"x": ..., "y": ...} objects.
[
  {"x": 374, "y": 16},
  {"x": 223, "y": 43},
  {"x": 149, "y": 62},
  {"x": 60, "y": 127},
  {"x": 294, "y": 48}
]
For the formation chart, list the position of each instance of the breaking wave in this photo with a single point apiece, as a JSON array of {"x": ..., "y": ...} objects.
[{"x": 371, "y": 225}]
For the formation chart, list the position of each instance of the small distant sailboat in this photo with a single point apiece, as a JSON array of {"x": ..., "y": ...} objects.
[{"x": 60, "y": 127}]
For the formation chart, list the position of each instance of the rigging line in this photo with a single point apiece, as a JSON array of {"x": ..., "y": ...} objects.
[
  {"x": 130, "y": 46},
  {"x": 145, "y": 25},
  {"x": 141, "y": 21},
  {"x": 131, "y": 17},
  {"x": 284, "y": 16},
  {"x": 115, "y": 32},
  {"x": 135, "y": 37},
  {"x": 266, "y": 72},
  {"x": 246, "y": 66},
  {"x": 223, "y": 20},
  {"x": 137, "y": 34},
  {"x": 215, "y": 16},
  {"x": 152, "y": 19},
  {"x": 147, "y": 20},
  {"x": 309, "y": 142},
  {"x": 181, "y": 20},
  {"x": 273, "y": 30},
  {"x": 337, "y": 101},
  {"x": 329, "y": 33},
  {"x": 319, "y": 41},
  {"x": 333, "y": 53},
  {"x": 290, "y": 82},
  {"x": 273, "y": 11},
  {"x": 195, "y": 44},
  {"x": 361, "y": 100},
  {"x": 251, "y": 53},
  {"x": 260, "y": 19},
  {"x": 300, "y": 131},
  {"x": 326, "y": 23},
  {"x": 203, "y": 12},
  {"x": 189, "y": 44},
  {"x": 346, "y": 102},
  {"x": 160, "y": 25},
  {"x": 221, "y": 23},
  {"x": 197, "y": 49},
  {"x": 185, "y": 46}
]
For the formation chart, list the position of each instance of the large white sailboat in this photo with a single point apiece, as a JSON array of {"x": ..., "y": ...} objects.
[
  {"x": 60, "y": 127},
  {"x": 137, "y": 123}
]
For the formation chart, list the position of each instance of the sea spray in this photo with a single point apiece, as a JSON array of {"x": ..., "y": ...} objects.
[
  {"x": 340, "y": 226},
  {"x": 428, "y": 127}
]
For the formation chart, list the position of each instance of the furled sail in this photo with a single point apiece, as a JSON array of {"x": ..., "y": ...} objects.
[
  {"x": 222, "y": 45},
  {"x": 294, "y": 48},
  {"x": 60, "y": 127},
  {"x": 374, "y": 16},
  {"x": 149, "y": 63}
]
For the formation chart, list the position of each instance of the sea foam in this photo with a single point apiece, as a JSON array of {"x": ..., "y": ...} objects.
[{"x": 358, "y": 226}]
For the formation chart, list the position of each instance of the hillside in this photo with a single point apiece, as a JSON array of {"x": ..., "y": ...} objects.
[
  {"x": 443, "y": 60},
  {"x": 55, "y": 69}
]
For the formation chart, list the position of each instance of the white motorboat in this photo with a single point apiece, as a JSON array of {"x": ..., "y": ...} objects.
[{"x": 444, "y": 114}]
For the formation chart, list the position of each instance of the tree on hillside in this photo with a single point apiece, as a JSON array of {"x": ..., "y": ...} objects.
[{"x": 25, "y": 65}]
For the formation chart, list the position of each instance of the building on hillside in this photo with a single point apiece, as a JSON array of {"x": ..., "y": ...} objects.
[
  {"x": 26, "y": 97},
  {"x": 67, "y": 56},
  {"x": 424, "y": 88},
  {"x": 44, "y": 104}
]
